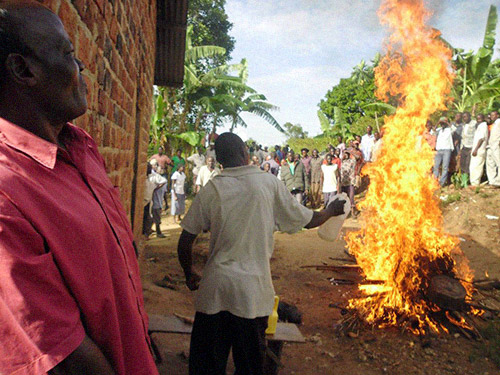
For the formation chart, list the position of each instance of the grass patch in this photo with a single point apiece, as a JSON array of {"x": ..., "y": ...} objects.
[{"x": 451, "y": 198}]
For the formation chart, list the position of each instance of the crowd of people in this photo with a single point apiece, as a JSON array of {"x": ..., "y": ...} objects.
[
  {"x": 466, "y": 145},
  {"x": 312, "y": 179}
]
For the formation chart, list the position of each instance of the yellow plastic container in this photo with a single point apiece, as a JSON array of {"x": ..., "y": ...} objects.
[{"x": 273, "y": 318}]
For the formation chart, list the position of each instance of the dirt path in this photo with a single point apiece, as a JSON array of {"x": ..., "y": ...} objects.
[{"x": 369, "y": 352}]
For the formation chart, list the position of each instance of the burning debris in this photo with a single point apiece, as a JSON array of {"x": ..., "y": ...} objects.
[{"x": 411, "y": 276}]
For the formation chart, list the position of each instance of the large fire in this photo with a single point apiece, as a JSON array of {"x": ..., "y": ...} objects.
[{"x": 401, "y": 241}]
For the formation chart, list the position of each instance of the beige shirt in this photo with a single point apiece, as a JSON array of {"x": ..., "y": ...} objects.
[
  {"x": 480, "y": 133},
  {"x": 206, "y": 175},
  {"x": 241, "y": 208},
  {"x": 494, "y": 140}
]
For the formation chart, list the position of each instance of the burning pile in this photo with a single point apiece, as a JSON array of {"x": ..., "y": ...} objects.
[{"x": 401, "y": 242}]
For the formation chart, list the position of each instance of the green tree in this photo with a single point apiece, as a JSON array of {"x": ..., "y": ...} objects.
[
  {"x": 477, "y": 82},
  {"x": 211, "y": 26},
  {"x": 294, "y": 131}
]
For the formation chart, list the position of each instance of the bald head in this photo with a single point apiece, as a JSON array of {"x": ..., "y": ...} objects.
[
  {"x": 38, "y": 68},
  {"x": 231, "y": 151},
  {"x": 17, "y": 31}
]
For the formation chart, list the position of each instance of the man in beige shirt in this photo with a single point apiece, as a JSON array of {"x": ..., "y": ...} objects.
[{"x": 241, "y": 208}]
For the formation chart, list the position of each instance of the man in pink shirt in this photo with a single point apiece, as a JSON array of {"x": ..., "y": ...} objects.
[{"x": 70, "y": 292}]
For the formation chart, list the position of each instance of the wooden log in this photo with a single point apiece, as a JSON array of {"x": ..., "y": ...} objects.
[{"x": 447, "y": 292}]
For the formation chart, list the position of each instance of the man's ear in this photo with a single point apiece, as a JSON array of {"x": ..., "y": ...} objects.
[{"x": 21, "y": 69}]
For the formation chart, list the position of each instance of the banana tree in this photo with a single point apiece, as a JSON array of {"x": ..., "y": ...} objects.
[{"x": 477, "y": 82}]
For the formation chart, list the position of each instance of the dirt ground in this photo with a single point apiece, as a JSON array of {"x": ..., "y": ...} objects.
[{"x": 368, "y": 351}]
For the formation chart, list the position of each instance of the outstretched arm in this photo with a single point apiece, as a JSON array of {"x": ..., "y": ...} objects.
[
  {"x": 335, "y": 208},
  {"x": 185, "y": 254}
]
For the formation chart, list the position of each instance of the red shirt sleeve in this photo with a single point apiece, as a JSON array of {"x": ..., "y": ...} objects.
[{"x": 39, "y": 319}]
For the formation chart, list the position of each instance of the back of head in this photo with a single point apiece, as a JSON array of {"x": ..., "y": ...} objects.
[{"x": 230, "y": 150}]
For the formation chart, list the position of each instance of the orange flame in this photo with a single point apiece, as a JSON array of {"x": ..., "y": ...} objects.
[{"x": 401, "y": 240}]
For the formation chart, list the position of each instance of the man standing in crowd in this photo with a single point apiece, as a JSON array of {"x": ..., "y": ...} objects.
[
  {"x": 162, "y": 160},
  {"x": 293, "y": 174},
  {"x": 211, "y": 151},
  {"x": 236, "y": 294},
  {"x": 315, "y": 179},
  {"x": 306, "y": 160},
  {"x": 70, "y": 291},
  {"x": 468, "y": 130},
  {"x": 341, "y": 146},
  {"x": 367, "y": 142},
  {"x": 154, "y": 181},
  {"x": 444, "y": 148},
  {"x": 478, "y": 155},
  {"x": 456, "y": 133},
  {"x": 177, "y": 160},
  {"x": 348, "y": 177},
  {"x": 207, "y": 172},
  {"x": 493, "y": 153},
  {"x": 198, "y": 161}
]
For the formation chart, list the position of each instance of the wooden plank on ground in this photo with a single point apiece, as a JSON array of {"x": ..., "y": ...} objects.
[
  {"x": 286, "y": 332},
  {"x": 171, "y": 324}
]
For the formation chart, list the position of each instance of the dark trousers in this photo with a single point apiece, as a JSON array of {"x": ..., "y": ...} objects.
[
  {"x": 214, "y": 335},
  {"x": 465, "y": 155},
  {"x": 147, "y": 221},
  {"x": 157, "y": 219}
]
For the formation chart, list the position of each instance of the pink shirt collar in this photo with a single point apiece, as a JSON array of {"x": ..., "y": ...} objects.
[{"x": 44, "y": 152}]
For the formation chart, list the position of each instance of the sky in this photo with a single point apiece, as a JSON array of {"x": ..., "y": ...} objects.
[{"x": 297, "y": 50}]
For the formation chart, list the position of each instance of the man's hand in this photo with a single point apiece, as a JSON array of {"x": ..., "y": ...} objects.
[
  {"x": 193, "y": 281},
  {"x": 474, "y": 153},
  {"x": 336, "y": 207}
]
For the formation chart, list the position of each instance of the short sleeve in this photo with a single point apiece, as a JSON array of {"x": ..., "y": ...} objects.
[
  {"x": 175, "y": 176},
  {"x": 197, "y": 218},
  {"x": 290, "y": 215},
  {"x": 39, "y": 319}
]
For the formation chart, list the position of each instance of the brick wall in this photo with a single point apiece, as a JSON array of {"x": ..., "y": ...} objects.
[{"x": 115, "y": 39}]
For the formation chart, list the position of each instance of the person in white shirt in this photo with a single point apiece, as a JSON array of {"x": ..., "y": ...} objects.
[
  {"x": 468, "y": 129},
  {"x": 207, "y": 172},
  {"x": 241, "y": 208},
  {"x": 493, "y": 152},
  {"x": 444, "y": 148},
  {"x": 330, "y": 179},
  {"x": 154, "y": 182},
  {"x": 178, "y": 196},
  {"x": 198, "y": 161},
  {"x": 367, "y": 143},
  {"x": 478, "y": 155}
]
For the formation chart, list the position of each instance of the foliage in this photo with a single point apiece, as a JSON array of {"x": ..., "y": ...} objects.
[
  {"x": 211, "y": 95},
  {"x": 211, "y": 26},
  {"x": 294, "y": 131},
  {"x": 319, "y": 143},
  {"x": 451, "y": 198},
  {"x": 477, "y": 82},
  {"x": 348, "y": 97},
  {"x": 460, "y": 180}
]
